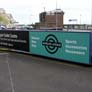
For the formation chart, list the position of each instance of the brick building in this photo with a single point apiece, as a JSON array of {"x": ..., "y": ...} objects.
[{"x": 51, "y": 19}]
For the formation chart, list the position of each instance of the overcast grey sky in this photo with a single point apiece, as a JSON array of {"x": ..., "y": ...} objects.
[{"x": 27, "y": 11}]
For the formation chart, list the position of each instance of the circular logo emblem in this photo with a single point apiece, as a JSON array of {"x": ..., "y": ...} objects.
[{"x": 51, "y": 44}]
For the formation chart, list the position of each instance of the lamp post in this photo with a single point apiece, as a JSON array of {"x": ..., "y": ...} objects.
[
  {"x": 80, "y": 18},
  {"x": 56, "y": 16},
  {"x": 91, "y": 13}
]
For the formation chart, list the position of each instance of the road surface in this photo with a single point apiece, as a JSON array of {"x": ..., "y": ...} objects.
[{"x": 26, "y": 73}]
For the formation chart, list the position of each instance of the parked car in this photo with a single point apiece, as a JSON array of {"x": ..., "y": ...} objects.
[{"x": 2, "y": 27}]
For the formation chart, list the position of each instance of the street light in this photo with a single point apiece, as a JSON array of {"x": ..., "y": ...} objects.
[
  {"x": 56, "y": 15},
  {"x": 80, "y": 18},
  {"x": 91, "y": 12}
]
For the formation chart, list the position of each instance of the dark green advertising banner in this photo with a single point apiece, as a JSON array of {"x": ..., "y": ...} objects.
[{"x": 62, "y": 45}]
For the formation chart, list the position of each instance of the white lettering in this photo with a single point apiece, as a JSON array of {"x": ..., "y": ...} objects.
[{"x": 71, "y": 41}]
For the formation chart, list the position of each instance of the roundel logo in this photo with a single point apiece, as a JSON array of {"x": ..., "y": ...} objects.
[{"x": 51, "y": 44}]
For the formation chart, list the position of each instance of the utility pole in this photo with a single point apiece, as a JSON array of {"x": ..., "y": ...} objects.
[
  {"x": 80, "y": 18},
  {"x": 56, "y": 16}
]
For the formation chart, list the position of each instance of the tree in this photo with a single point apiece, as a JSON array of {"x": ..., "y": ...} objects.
[{"x": 4, "y": 19}]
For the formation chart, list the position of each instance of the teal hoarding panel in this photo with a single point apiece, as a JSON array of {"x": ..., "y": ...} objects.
[
  {"x": 91, "y": 48},
  {"x": 62, "y": 45}
]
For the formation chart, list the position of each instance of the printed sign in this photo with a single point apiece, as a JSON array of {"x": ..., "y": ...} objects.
[
  {"x": 69, "y": 46},
  {"x": 17, "y": 40},
  {"x": 51, "y": 44},
  {"x": 91, "y": 47}
]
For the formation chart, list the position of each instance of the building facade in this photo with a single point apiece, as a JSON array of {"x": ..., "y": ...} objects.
[{"x": 51, "y": 20}]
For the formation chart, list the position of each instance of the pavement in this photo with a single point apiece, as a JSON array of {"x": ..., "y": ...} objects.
[{"x": 27, "y": 73}]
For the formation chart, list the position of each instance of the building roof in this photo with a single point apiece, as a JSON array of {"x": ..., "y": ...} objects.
[{"x": 58, "y": 11}]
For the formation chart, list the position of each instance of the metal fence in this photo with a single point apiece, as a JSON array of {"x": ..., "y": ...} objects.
[{"x": 77, "y": 27}]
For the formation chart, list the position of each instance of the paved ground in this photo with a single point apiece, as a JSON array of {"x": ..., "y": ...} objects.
[{"x": 34, "y": 74}]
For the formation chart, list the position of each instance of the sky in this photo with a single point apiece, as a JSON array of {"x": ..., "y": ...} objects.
[{"x": 27, "y": 11}]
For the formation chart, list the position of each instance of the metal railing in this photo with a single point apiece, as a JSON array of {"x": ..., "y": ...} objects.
[{"x": 77, "y": 27}]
